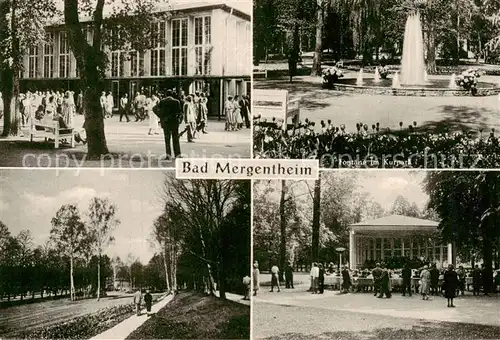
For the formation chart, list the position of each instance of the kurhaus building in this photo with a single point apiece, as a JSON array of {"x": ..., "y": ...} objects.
[{"x": 201, "y": 47}]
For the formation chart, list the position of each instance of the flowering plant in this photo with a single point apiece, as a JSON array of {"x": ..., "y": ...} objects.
[
  {"x": 331, "y": 75},
  {"x": 383, "y": 71},
  {"x": 367, "y": 145},
  {"x": 468, "y": 79}
]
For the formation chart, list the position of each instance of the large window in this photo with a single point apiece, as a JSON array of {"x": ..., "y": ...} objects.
[
  {"x": 33, "y": 62},
  {"x": 48, "y": 56},
  {"x": 158, "y": 55},
  {"x": 203, "y": 44},
  {"x": 117, "y": 64},
  {"x": 179, "y": 47},
  {"x": 134, "y": 63},
  {"x": 64, "y": 58}
]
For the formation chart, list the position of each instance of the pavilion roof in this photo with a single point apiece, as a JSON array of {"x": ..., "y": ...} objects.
[{"x": 397, "y": 221}]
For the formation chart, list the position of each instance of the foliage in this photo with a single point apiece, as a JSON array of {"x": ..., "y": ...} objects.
[
  {"x": 468, "y": 79},
  {"x": 468, "y": 204},
  {"x": 372, "y": 146},
  {"x": 214, "y": 245}
]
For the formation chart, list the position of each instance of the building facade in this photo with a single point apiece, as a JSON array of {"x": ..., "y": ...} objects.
[
  {"x": 204, "y": 48},
  {"x": 396, "y": 236}
]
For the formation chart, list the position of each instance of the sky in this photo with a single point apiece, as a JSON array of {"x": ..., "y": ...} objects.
[
  {"x": 386, "y": 186},
  {"x": 30, "y": 199}
]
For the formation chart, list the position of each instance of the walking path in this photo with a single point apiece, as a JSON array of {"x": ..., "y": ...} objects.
[
  {"x": 235, "y": 297},
  {"x": 123, "y": 329}
]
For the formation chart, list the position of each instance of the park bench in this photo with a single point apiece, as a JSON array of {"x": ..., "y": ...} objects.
[
  {"x": 275, "y": 104},
  {"x": 49, "y": 129},
  {"x": 260, "y": 74}
]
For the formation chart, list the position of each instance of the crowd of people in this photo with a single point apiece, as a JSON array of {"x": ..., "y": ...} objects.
[
  {"x": 427, "y": 280},
  {"x": 46, "y": 106}
]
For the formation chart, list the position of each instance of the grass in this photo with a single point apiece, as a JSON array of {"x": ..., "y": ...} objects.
[{"x": 195, "y": 316}]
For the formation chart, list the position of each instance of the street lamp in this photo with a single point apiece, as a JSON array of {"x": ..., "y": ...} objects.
[{"x": 340, "y": 250}]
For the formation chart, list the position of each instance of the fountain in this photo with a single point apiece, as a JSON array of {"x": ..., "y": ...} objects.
[
  {"x": 395, "y": 81},
  {"x": 453, "y": 81},
  {"x": 412, "y": 62},
  {"x": 359, "y": 80},
  {"x": 377, "y": 75}
]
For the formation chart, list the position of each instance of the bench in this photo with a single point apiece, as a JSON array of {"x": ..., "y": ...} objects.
[
  {"x": 51, "y": 129},
  {"x": 260, "y": 74},
  {"x": 274, "y": 104}
]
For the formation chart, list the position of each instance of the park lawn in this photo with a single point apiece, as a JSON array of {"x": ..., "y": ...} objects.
[{"x": 196, "y": 316}]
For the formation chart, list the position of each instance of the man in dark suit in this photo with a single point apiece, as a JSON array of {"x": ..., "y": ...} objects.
[
  {"x": 406, "y": 274},
  {"x": 321, "y": 279},
  {"x": 377, "y": 273},
  {"x": 170, "y": 113},
  {"x": 476, "y": 280}
]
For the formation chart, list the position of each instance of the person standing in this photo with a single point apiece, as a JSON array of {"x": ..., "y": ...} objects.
[
  {"x": 148, "y": 300},
  {"x": 244, "y": 111},
  {"x": 275, "y": 281},
  {"x": 346, "y": 280},
  {"x": 450, "y": 284},
  {"x": 170, "y": 113},
  {"x": 461, "y": 279},
  {"x": 289, "y": 276},
  {"x": 434, "y": 280},
  {"x": 247, "y": 281},
  {"x": 406, "y": 274},
  {"x": 189, "y": 119},
  {"x": 153, "y": 118},
  {"x": 103, "y": 101},
  {"x": 425, "y": 278},
  {"x": 321, "y": 279},
  {"x": 124, "y": 107},
  {"x": 376, "y": 273},
  {"x": 314, "y": 277},
  {"x": 256, "y": 278},
  {"x": 476, "y": 280},
  {"x": 385, "y": 283},
  {"x": 229, "y": 113},
  {"x": 138, "y": 301}
]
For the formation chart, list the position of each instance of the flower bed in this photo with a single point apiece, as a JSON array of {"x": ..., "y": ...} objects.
[
  {"x": 372, "y": 146},
  {"x": 83, "y": 327}
]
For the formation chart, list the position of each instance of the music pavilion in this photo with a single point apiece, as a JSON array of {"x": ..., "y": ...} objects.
[
  {"x": 203, "y": 46},
  {"x": 396, "y": 236}
]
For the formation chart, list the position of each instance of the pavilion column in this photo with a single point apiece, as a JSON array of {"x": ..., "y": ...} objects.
[
  {"x": 441, "y": 255},
  {"x": 451, "y": 260},
  {"x": 382, "y": 249},
  {"x": 403, "y": 247},
  {"x": 352, "y": 250}
]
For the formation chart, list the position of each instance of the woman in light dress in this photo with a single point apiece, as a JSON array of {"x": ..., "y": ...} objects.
[
  {"x": 67, "y": 110},
  {"x": 153, "y": 118},
  {"x": 237, "y": 114},
  {"x": 204, "y": 112},
  {"x": 256, "y": 278},
  {"x": 229, "y": 113},
  {"x": 190, "y": 117},
  {"x": 425, "y": 286}
]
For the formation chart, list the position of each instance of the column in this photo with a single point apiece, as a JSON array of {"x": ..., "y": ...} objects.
[
  {"x": 441, "y": 255},
  {"x": 382, "y": 249},
  {"x": 191, "y": 59},
  {"x": 352, "y": 250},
  {"x": 411, "y": 248},
  {"x": 403, "y": 247},
  {"x": 55, "y": 71},
  {"x": 392, "y": 246},
  {"x": 451, "y": 260},
  {"x": 147, "y": 63}
]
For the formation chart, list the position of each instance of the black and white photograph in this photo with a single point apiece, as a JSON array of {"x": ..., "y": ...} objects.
[
  {"x": 353, "y": 83},
  {"x": 123, "y": 255},
  {"x": 124, "y": 83},
  {"x": 377, "y": 255}
]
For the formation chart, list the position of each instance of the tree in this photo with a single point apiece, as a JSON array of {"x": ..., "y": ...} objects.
[
  {"x": 22, "y": 26},
  {"x": 468, "y": 205},
  {"x": 318, "y": 51},
  {"x": 403, "y": 207},
  {"x": 68, "y": 234},
  {"x": 101, "y": 223},
  {"x": 128, "y": 27},
  {"x": 25, "y": 242},
  {"x": 316, "y": 220}
]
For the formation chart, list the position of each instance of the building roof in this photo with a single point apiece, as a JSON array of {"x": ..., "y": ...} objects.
[
  {"x": 397, "y": 221},
  {"x": 183, "y": 7}
]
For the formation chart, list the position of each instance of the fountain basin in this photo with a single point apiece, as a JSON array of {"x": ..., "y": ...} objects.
[{"x": 433, "y": 88}]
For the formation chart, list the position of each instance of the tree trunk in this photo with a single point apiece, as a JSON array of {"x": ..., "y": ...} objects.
[
  {"x": 71, "y": 281},
  {"x": 318, "y": 51},
  {"x": 167, "y": 281},
  {"x": 282, "y": 258},
  {"x": 99, "y": 277},
  {"x": 316, "y": 221},
  {"x": 210, "y": 277},
  {"x": 91, "y": 63},
  {"x": 10, "y": 79},
  {"x": 431, "y": 48}
]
